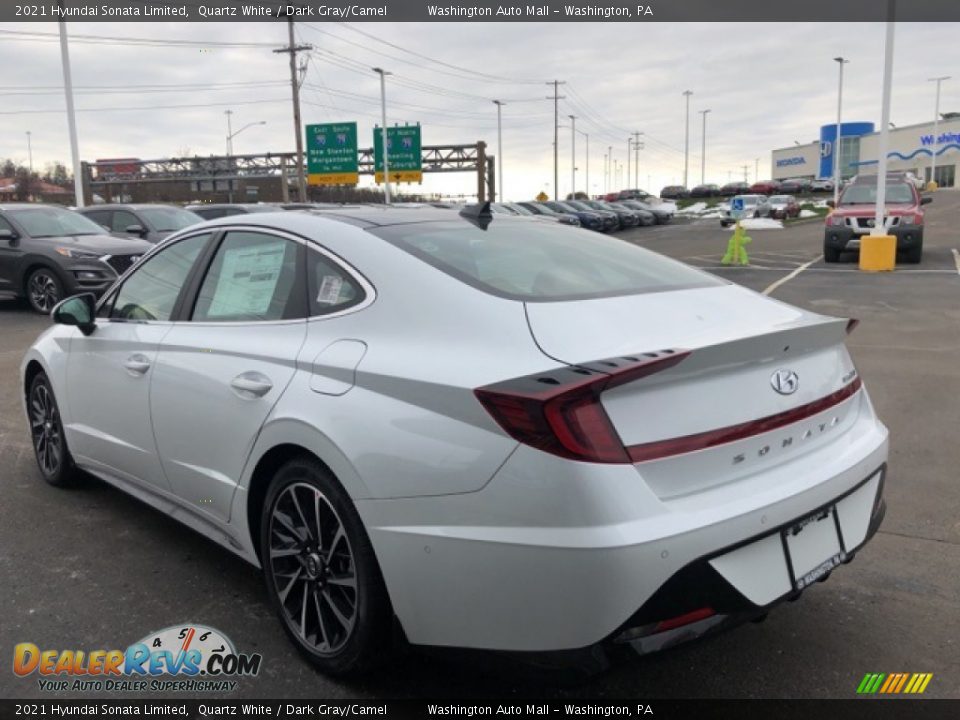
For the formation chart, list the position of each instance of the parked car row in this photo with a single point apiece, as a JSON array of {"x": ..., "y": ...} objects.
[{"x": 761, "y": 187}]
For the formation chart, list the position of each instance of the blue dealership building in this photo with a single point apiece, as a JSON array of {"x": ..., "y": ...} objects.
[{"x": 910, "y": 149}]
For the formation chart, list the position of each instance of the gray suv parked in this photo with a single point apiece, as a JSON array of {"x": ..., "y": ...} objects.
[
  {"x": 48, "y": 253},
  {"x": 149, "y": 222}
]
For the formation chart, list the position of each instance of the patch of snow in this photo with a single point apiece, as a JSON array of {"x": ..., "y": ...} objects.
[
  {"x": 761, "y": 224},
  {"x": 807, "y": 213},
  {"x": 694, "y": 209}
]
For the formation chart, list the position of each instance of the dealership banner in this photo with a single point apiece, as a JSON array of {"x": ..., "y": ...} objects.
[{"x": 477, "y": 11}]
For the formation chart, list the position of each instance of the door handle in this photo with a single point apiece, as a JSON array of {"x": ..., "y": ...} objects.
[
  {"x": 251, "y": 385},
  {"x": 137, "y": 364}
]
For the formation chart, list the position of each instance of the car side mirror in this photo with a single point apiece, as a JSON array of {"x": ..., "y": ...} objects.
[
  {"x": 831, "y": 204},
  {"x": 136, "y": 230},
  {"x": 926, "y": 200},
  {"x": 78, "y": 310},
  {"x": 8, "y": 235}
]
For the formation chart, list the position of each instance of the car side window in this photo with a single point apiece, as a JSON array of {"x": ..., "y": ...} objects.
[
  {"x": 151, "y": 291},
  {"x": 254, "y": 277},
  {"x": 332, "y": 289},
  {"x": 101, "y": 217},
  {"x": 122, "y": 220},
  {"x": 4, "y": 225}
]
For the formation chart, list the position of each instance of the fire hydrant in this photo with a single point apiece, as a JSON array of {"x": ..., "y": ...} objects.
[{"x": 736, "y": 248}]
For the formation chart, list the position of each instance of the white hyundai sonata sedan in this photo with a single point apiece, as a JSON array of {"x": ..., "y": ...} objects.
[{"x": 499, "y": 433}]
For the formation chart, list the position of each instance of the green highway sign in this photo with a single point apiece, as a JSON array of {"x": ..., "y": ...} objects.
[
  {"x": 404, "y": 146},
  {"x": 332, "y": 154}
]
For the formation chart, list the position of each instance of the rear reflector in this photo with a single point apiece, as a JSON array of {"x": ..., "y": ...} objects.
[
  {"x": 560, "y": 412},
  {"x": 685, "y": 619},
  {"x": 701, "y": 441}
]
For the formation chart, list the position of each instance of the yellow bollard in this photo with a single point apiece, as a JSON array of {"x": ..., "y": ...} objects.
[
  {"x": 932, "y": 185},
  {"x": 878, "y": 253}
]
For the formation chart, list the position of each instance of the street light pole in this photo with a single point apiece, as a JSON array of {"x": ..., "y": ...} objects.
[
  {"x": 836, "y": 141},
  {"x": 686, "y": 139},
  {"x": 30, "y": 152},
  {"x": 228, "y": 113},
  {"x": 573, "y": 155},
  {"x": 71, "y": 114},
  {"x": 879, "y": 228},
  {"x": 629, "y": 143},
  {"x": 936, "y": 124},
  {"x": 756, "y": 171},
  {"x": 703, "y": 149},
  {"x": 499, "y": 192},
  {"x": 383, "y": 133}
]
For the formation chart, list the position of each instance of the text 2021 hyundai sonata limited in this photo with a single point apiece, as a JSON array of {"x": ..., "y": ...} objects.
[{"x": 503, "y": 433}]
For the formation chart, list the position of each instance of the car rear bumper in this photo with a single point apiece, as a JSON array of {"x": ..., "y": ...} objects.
[{"x": 557, "y": 555}]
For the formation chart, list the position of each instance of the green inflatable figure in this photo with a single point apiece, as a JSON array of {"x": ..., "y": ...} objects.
[{"x": 736, "y": 249}]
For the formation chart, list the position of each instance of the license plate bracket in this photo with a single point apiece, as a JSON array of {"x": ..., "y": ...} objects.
[{"x": 813, "y": 547}]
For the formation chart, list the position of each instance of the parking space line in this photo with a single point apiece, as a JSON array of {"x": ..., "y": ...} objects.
[{"x": 792, "y": 275}]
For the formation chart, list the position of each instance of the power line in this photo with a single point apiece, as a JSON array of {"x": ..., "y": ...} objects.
[
  {"x": 40, "y": 36},
  {"x": 489, "y": 77},
  {"x": 144, "y": 107}
]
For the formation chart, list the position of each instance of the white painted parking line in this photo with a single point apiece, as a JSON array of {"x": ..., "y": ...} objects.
[
  {"x": 792, "y": 275},
  {"x": 956, "y": 259}
]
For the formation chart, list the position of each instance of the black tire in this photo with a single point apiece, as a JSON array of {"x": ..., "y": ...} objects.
[
  {"x": 310, "y": 560},
  {"x": 830, "y": 254},
  {"x": 46, "y": 435},
  {"x": 43, "y": 290},
  {"x": 914, "y": 255}
]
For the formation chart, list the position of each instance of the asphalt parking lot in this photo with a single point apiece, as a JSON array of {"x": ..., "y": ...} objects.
[{"x": 94, "y": 568}]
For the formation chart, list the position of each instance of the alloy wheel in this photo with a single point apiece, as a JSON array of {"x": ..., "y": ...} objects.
[
  {"x": 45, "y": 429},
  {"x": 312, "y": 568},
  {"x": 43, "y": 290}
]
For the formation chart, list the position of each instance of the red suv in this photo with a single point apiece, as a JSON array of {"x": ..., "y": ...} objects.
[
  {"x": 854, "y": 217},
  {"x": 764, "y": 187}
]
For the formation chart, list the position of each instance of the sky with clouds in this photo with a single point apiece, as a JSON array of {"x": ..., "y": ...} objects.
[{"x": 766, "y": 86}]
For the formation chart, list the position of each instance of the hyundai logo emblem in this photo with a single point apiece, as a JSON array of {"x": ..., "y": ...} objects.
[{"x": 785, "y": 382}]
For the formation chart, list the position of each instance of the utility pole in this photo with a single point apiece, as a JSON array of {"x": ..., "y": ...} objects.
[
  {"x": 71, "y": 114},
  {"x": 703, "y": 149},
  {"x": 936, "y": 124},
  {"x": 745, "y": 172},
  {"x": 556, "y": 97},
  {"x": 686, "y": 139},
  {"x": 383, "y": 134},
  {"x": 292, "y": 49},
  {"x": 30, "y": 152},
  {"x": 756, "y": 170},
  {"x": 629, "y": 141},
  {"x": 499, "y": 192},
  {"x": 637, "y": 147}
]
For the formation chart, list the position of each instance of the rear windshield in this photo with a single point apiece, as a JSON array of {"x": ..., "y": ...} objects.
[{"x": 533, "y": 262}]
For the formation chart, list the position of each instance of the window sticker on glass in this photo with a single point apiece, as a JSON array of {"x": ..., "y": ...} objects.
[
  {"x": 330, "y": 288},
  {"x": 248, "y": 280}
]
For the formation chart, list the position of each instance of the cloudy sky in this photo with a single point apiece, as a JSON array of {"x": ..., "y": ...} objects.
[{"x": 765, "y": 85}]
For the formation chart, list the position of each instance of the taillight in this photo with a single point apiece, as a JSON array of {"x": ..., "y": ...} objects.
[
  {"x": 560, "y": 411},
  {"x": 834, "y": 220}
]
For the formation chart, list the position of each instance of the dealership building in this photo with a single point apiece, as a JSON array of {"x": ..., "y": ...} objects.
[{"x": 909, "y": 148}]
